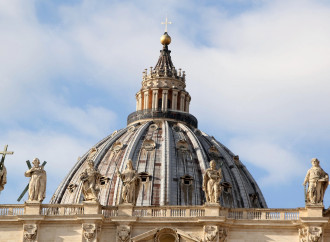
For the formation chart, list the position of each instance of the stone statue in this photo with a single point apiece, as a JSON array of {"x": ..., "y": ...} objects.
[
  {"x": 37, "y": 184},
  {"x": 3, "y": 178},
  {"x": 90, "y": 178},
  {"x": 317, "y": 180},
  {"x": 131, "y": 182},
  {"x": 211, "y": 183}
]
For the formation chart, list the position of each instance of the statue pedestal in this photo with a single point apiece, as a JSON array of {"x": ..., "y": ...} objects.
[
  {"x": 314, "y": 210},
  {"x": 212, "y": 209},
  {"x": 32, "y": 208},
  {"x": 125, "y": 209},
  {"x": 92, "y": 207}
]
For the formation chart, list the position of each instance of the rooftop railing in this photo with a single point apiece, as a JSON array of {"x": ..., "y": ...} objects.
[
  {"x": 158, "y": 211},
  {"x": 168, "y": 114}
]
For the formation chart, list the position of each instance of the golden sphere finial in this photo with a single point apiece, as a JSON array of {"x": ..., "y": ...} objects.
[{"x": 165, "y": 39}]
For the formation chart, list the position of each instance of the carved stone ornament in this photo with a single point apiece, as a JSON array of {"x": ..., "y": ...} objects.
[
  {"x": 148, "y": 145},
  {"x": 114, "y": 132},
  {"x": 236, "y": 160},
  {"x": 30, "y": 232},
  {"x": 167, "y": 234},
  {"x": 176, "y": 128},
  {"x": 310, "y": 234},
  {"x": 153, "y": 127},
  {"x": 210, "y": 233},
  {"x": 131, "y": 129},
  {"x": 197, "y": 132},
  {"x": 123, "y": 233},
  {"x": 182, "y": 145},
  {"x": 214, "y": 153},
  {"x": 90, "y": 232},
  {"x": 223, "y": 234},
  {"x": 117, "y": 146}
]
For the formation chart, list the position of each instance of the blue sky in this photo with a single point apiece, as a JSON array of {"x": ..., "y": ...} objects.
[{"x": 258, "y": 73}]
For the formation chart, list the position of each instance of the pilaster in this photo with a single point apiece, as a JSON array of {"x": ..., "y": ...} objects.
[
  {"x": 164, "y": 99},
  {"x": 146, "y": 99},
  {"x": 182, "y": 102},
  {"x": 154, "y": 98},
  {"x": 174, "y": 99}
]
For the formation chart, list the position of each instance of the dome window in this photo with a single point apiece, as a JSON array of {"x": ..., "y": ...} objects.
[
  {"x": 145, "y": 177},
  {"x": 72, "y": 187},
  {"x": 186, "y": 180},
  {"x": 104, "y": 180}
]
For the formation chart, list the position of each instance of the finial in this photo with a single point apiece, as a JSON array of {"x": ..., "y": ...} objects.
[
  {"x": 165, "y": 39},
  {"x": 166, "y": 23}
]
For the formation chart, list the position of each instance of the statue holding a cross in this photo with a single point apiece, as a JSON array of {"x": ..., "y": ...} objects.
[
  {"x": 37, "y": 184},
  {"x": 3, "y": 170}
]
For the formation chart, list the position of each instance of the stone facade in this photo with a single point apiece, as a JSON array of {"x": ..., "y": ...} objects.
[{"x": 92, "y": 222}]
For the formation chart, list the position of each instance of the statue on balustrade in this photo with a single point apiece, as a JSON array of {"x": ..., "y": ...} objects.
[
  {"x": 211, "y": 183},
  {"x": 131, "y": 183},
  {"x": 3, "y": 178},
  {"x": 37, "y": 184},
  {"x": 318, "y": 181},
  {"x": 90, "y": 178}
]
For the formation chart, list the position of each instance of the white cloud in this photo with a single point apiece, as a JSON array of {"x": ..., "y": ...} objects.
[{"x": 279, "y": 164}]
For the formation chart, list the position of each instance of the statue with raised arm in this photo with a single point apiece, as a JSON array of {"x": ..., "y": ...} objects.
[
  {"x": 211, "y": 183},
  {"x": 37, "y": 184},
  {"x": 318, "y": 181},
  {"x": 90, "y": 178},
  {"x": 131, "y": 182}
]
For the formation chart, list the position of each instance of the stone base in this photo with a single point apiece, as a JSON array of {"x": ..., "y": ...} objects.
[
  {"x": 212, "y": 209},
  {"x": 125, "y": 209},
  {"x": 314, "y": 210},
  {"x": 92, "y": 207},
  {"x": 32, "y": 208}
]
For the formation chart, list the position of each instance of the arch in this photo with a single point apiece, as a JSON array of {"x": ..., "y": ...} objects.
[{"x": 167, "y": 235}]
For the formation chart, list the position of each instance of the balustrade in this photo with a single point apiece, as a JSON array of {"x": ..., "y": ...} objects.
[{"x": 164, "y": 211}]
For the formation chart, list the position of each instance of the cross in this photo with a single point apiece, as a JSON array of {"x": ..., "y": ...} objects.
[
  {"x": 166, "y": 23},
  {"x": 27, "y": 186},
  {"x": 4, "y": 153}
]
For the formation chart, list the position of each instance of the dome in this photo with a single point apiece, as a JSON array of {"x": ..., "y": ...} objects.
[{"x": 168, "y": 151}]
